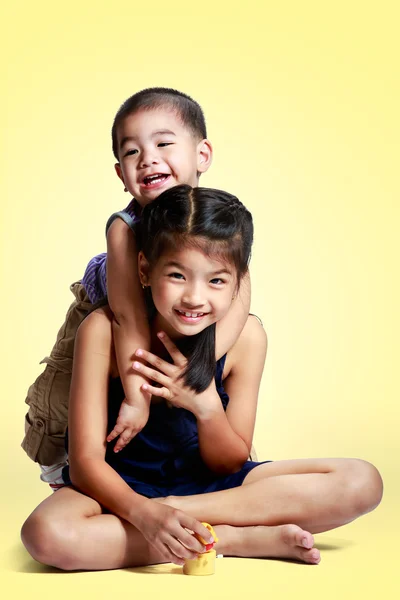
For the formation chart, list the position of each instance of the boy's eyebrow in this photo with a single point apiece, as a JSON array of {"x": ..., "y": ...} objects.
[
  {"x": 131, "y": 138},
  {"x": 163, "y": 131}
]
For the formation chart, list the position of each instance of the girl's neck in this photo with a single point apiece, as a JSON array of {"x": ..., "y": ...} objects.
[{"x": 158, "y": 324}]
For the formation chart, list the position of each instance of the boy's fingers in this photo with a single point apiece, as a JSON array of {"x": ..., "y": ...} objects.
[
  {"x": 115, "y": 433},
  {"x": 124, "y": 439}
]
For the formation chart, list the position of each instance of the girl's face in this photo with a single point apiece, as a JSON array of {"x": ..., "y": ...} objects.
[{"x": 190, "y": 290}]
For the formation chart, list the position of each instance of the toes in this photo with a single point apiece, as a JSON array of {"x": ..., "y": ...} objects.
[
  {"x": 302, "y": 543},
  {"x": 296, "y": 536},
  {"x": 305, "y": 539},
  {"x": 313, "y": 556}
]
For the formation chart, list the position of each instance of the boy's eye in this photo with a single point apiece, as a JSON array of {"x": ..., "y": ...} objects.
[
  {"x": 163, "y": 144},
  {"x": 131, "y": 152}
]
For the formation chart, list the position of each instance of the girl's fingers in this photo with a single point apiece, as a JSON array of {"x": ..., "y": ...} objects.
[
  {"x": 198, "y": 528},
  {"x": 167, "y": 554},
  {"x": 180, "y": 551},
  {"x": 156, "y": 361},
  {"x": 161, "y": 392},
  {"x": 191, "y": 543},
  {"x": 151, "y": 374},
  {"x": 176, "y": 355}
]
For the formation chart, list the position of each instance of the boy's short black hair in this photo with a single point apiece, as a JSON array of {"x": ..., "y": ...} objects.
[{"x": 188, "y": 110}]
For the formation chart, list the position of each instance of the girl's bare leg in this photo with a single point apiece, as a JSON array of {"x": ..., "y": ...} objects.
[
  {"x": 68, "y": 530},
  {"x": 315, "y": 494}
]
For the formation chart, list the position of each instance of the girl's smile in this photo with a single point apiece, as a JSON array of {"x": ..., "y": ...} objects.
[{"x": 190, "y": 317}]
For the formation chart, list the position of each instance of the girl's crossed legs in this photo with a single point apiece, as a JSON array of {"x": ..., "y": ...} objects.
[{"x": 69, "y": 530}]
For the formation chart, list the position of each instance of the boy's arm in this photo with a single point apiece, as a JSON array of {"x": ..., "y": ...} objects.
[
  {"x": 230, "y": 327},
  {"x": 130, "y": 327}
]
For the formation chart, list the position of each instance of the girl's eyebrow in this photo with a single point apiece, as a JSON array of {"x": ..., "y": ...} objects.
[
  {"x": 177, "y": 265},
  {"x": 173, "y": 263}
]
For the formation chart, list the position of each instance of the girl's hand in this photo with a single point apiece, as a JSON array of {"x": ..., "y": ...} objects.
[
  {"x": 173, "y": 387},
  {"x": 166, "y": 528},
  {"x": 130, "y": 421}
]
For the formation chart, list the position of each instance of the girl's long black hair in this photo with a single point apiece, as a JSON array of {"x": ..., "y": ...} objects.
[{"x": 215, "y": 222}]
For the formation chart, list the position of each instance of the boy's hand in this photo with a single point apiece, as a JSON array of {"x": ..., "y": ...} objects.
[
  {"x": 166, "y": 528},
  {"x": 131, "y": 420}
]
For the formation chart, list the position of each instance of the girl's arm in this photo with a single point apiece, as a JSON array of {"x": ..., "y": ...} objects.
[
  {"x": 87, "y": 426},
  {"x": 225, "y": 438},
  {"x": 230, "y": 327},
  {"x": 130, "y": 327},
  {"x": 162, "y": 526}
]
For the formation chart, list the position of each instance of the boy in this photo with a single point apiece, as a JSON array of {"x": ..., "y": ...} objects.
[{"x": 159, "y": 139}]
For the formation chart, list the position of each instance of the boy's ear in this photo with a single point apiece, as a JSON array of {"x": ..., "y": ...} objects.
[
  {"x": 118, "y": 171},
  {"x": 204, "y": 156},
  {"x": 143, "y": 269}
]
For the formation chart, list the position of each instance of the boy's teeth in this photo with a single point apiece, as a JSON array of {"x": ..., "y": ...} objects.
[{"x": 154, "y": 178}]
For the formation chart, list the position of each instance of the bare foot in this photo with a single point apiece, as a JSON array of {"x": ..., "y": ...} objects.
[{"x": 281, "y": 541}]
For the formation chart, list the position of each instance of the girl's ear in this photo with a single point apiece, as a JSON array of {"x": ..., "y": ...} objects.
[
  {"x": 204, "y": 156},
  {"x": 143, "y": 268}
]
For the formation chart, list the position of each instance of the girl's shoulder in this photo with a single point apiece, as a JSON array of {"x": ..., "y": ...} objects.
[
  {"x": 94, "y": 338},
  {"x": 252, "y": 341},
  {"x": 96, "y": 328}
]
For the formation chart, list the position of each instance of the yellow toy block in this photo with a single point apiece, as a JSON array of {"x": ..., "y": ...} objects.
[{"x": 204, "y": 564}]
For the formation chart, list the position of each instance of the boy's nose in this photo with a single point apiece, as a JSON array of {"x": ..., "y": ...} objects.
[{"x": 148, "y": 158}]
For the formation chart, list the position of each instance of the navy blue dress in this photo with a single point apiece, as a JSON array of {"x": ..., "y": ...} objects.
[{"x": 164, "y": 458}]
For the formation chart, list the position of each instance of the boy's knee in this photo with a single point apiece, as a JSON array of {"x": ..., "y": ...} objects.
[{"x": 49, "y": 542}]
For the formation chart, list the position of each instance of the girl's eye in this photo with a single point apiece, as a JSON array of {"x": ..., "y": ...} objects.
[
  {"x": 163, "y": 144},
  {"x": 176, "y": 275},
  {"x": 217, "y": 281}
]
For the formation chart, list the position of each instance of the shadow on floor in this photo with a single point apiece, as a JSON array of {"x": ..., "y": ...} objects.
[
  {"x": 167, "y": 569},
  {"x": 21, "y": 562},
  {"x": 333, "y": 544}
]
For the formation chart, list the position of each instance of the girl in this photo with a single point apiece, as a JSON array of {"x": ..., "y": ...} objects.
[{"x": 189, "y": 463}]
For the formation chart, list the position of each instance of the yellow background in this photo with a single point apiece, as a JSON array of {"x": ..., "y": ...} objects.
[{"x": 302, "y": 105}]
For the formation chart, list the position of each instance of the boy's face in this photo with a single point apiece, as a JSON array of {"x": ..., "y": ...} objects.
[{"x": 157, "y": 152}]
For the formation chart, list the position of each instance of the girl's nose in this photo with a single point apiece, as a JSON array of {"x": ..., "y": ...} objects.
[{"x": 193, "y": 298}]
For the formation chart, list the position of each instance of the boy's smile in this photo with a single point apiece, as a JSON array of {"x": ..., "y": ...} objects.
[{"x": 157, "y": 151}]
